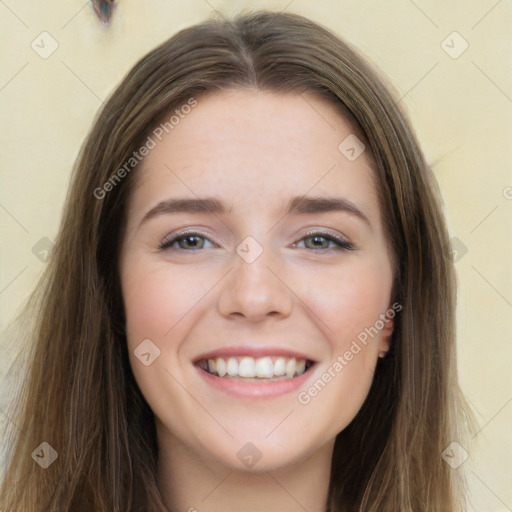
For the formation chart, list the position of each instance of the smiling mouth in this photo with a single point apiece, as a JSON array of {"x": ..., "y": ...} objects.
[{"x": 256, "y": 369}]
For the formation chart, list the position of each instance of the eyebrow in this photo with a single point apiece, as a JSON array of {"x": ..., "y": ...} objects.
[
  {"x": 304, "y": 204},
  {"x": 297, "y": 205}
]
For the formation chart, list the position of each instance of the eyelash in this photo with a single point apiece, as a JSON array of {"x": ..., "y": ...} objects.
[
  {"x": 341, "y": 243},
  {"x": 168, "y": 242}
]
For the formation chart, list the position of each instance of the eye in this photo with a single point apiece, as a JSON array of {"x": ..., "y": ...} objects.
[
  {"x": 325, "y": 241},
  {"x": 187, "y": 242}
]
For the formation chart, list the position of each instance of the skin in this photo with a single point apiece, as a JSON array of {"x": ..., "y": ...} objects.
[{"x": 254, "y": 150}]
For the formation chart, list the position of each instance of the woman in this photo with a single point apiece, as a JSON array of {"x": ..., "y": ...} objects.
[{"x": 250, "y": 305}]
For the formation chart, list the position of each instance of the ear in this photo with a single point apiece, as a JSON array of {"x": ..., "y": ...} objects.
[{"x": 385, "y": 337}]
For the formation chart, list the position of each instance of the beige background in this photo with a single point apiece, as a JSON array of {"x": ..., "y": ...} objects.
[{"x": 461, "y": 108}]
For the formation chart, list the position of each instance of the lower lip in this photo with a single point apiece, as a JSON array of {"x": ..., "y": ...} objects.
[{"x": 242, "y": 388}]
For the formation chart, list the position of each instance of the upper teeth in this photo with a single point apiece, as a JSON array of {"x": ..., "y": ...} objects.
[{"x": 249, "y": 367}]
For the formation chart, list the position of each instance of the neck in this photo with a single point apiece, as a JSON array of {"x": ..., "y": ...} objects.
[{"x": 189, "y": 483}]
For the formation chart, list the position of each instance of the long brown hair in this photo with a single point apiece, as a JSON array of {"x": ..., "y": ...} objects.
[{"x": 80, "y": 395}]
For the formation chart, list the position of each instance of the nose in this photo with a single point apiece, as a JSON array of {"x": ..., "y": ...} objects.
[{"x": 255, "y": 291}]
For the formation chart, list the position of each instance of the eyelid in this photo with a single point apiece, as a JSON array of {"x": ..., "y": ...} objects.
[{"x": 323, "y": 231}]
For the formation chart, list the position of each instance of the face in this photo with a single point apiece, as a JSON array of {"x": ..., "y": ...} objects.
[{"x": 256, "y": 279}]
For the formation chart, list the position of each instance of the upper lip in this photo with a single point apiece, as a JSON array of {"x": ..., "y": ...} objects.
[{"x": 252, "y": 351}]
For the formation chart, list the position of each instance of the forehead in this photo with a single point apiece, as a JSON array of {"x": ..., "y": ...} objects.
[{"x": 254, "y": 148}]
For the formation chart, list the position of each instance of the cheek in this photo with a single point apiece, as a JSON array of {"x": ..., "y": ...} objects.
[
  {"x": 156, "y": 300},
  {"x": 160, "y": 306},
  {"x": 349, "y": 300}
]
